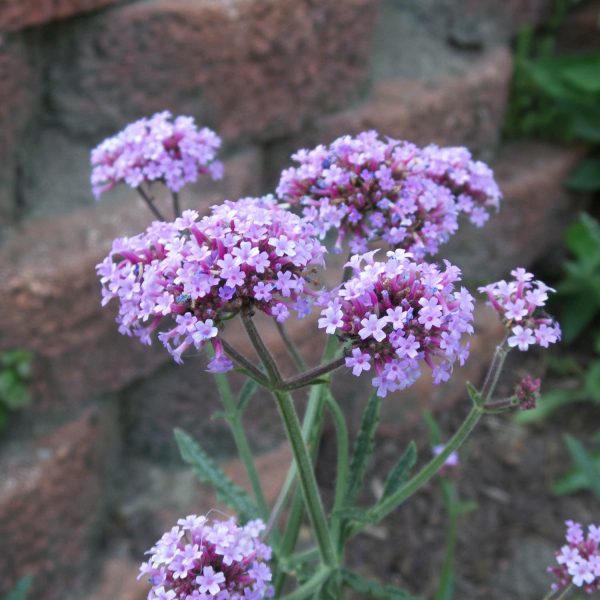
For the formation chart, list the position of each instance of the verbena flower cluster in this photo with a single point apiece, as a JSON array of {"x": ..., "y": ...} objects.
[
  {"x": 369, "y": 188},
  {"x": 519, "y": 303},
  {"x": 203, "y": 560},
  {"x": 191, "y": 275},
  {"x": 397, "y": 314},
  {"x": 579, "y": 560},
  {"x": 159, "y": 148}
]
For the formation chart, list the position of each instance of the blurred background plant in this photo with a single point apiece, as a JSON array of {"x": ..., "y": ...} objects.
[
  {"x": 15, "y": 376},
  {"x": 556, "y": 97}
]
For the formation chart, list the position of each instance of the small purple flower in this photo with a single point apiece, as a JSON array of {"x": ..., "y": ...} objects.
[
  {"x": 369, "y": 188},
  {"x": 578, "y": 561},
  {"x": 160, "y": 148},
  {"x": 519, "y": 304},
  {"x": 201, "y": 560},
  {"x": 423, "y": 319},
  {"x": 192, "y": 275}
]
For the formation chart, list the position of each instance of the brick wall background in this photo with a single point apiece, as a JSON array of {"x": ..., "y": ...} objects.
[{"x": 89, "y": 473}]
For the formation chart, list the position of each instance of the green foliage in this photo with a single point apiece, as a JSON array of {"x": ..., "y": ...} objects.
[
  {"x": 21, "y": 590},
  {"x": 15, "y": 376},
  {"x": 400, "y": 473},
  {"x": 579, "y": 291},
  {"x": 368, "y": 588},
  {"x": 363, "y": 449},
  {"x": 209, "y": 472},
  {"x": 556, "y": 97},
  {"x": 587, "y": 466}
]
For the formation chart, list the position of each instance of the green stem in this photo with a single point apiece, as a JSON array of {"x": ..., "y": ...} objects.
[
  {"x": 176, "y": 205},
  {"x": 384, "y": 507},
  {"x": 262, "y": 351},
  {"x": 341, "y": 481},
  {"x": 306, "y": 378},
  {"x": 150, "y": 203},
  {"x": 251, "y": 370},
  {"x": 308, "y": 589},
  {"x": 446, "y": 585},
  {"x": 308, "y": 481},
  {"x": 241, "y": 441},
  {"x": 291, "y": 347}
]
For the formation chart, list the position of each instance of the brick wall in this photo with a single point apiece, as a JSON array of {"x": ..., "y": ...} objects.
[{"x": 269, "y": 76}]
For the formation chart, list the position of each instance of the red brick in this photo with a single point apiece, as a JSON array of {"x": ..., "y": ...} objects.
[
  {"x": 247, "y": 68},
  {"x": 52, "y": 502},
  {"x": 50, "y": 302},
  {"x": 18, "y": 93},
  {"x": 463, "y": 109},
  {"x": 18, "y": 14}
]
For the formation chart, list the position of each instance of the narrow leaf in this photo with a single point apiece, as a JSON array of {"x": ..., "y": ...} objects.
[
  {"x": 400, "y": 473},
  {"x": 363, "y": 448},
  {"x": 21, "y": 590},
  {"x": 356, "y": 514},
  {"x": 208, "y": 471},
  {"x": 585, "y": 462},
  {"x": 369, "y": 588}
]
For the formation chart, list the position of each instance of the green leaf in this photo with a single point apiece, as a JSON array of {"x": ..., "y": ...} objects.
[
  {"x": 577, "y": 313},
  {"x": 584, "y": 461},
  {"x": 208, "y": 471},
  {"x": 400, "y": 473},
  {"x": 586, "y": 177},
  {"x": 21, "y": 590},
  {"x": 363, "y": 448},
  {"x": 249, "y": 389},
  {"x": 574, "y": 480},
  {"x": 583, "y": 237},
  {"x": 592, "y": 381},
  {"x": 368, "y": 588}
]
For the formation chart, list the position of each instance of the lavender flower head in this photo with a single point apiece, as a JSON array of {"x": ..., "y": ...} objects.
[
  {"x": 159, "y": 148},
  {"x": 369, "y": 188},
  {"x": 203, "y": 560},
  {"x": 397, "y": 314},
  {"x": 519, "y": 303},
  {"x": 579, "y": 560},
  {"x": 191, "y": 275}
]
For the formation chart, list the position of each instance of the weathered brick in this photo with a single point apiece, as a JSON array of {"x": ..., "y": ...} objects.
[
  {"x": 463, "y": 109},
  {"x": 50, "y": 299},
  {"x": 53, "y": 496},
  {"x": 533, "y": 214},
  {"x": 247, "y": 68},
  {"x": 477, "y": 23},
  {"x": 18, "y": 93},
  {"x": 18, "y": 14}
]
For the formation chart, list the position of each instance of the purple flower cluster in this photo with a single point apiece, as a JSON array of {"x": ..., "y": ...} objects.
[
  {"x": 579, "y": 559},
  {"x": 398, "y": 313},
  {"x": 203, "y": 560},
  {"x": 519, "y": 303},
  {"x": 190, "y": 275},
  {"x": 160, "y": 148},
  {"x": 368, "y": 188}
]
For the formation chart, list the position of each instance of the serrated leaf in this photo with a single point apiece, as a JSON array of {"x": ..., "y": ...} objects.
[
  {"x": 209, "y": 472},
  {"x": 249, "y": 389},
  {"x": 363, "y": 448},
  {"x": 584, "y": 461},
  {"x": 368, "y": 588},
  {"x": 400, "y": 473},
  {"x": 21, "y": 590}
]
